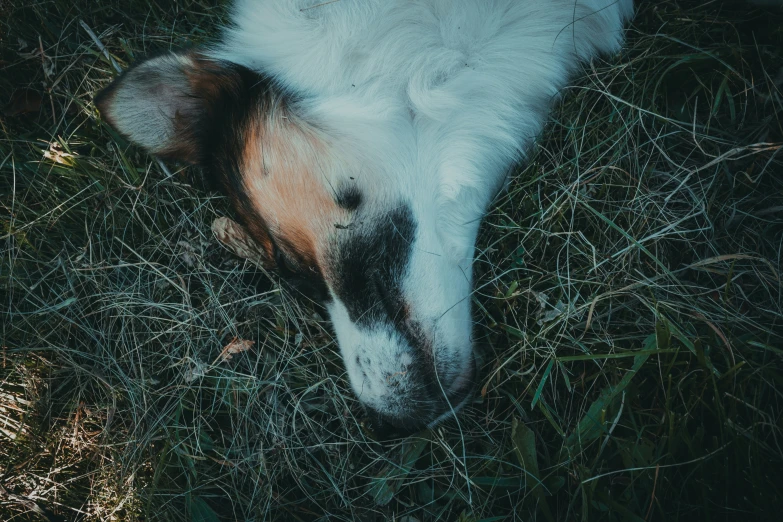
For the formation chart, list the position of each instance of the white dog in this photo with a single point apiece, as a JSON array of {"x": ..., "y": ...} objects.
[{"x": 360, "y": 143}]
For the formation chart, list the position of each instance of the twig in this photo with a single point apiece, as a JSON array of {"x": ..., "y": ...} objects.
[
  {"x": 645, "y": 468},
  {"x": 29, "y": 504},
  {"x": 101, "y": 47},
  {"x": 43, "y": 66},
  {"x": 652, "y": 497},
  {"x": 318, "y": 5}
]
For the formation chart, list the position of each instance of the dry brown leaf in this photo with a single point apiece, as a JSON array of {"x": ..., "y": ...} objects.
[
  {"x": 234, "y": 237},
  {"x": 236, "y": 345},
  {"x": 56, "y": 154}
]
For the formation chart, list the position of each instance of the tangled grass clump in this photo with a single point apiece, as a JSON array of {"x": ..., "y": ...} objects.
[{"x": 628, "y": 304}]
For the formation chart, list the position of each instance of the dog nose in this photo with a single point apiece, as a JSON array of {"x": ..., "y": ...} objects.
[{"x": 383, "y": 427}]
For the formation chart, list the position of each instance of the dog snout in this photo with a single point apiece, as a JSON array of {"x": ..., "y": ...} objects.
[{"x": 444, "y": 402}]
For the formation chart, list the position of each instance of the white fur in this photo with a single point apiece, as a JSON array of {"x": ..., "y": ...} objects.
[{"x": 431, "y": 101}]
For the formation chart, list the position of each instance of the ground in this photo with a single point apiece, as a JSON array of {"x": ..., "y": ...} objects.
[{"x": 628, "y": 304}]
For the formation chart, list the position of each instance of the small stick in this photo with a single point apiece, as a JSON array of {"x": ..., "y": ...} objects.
[
  {"x": 318, "y": 5},
  {"x": 27, "y": 504},
  {"x": 43, "y": 66},
  {"x": 652, "y": 497}
]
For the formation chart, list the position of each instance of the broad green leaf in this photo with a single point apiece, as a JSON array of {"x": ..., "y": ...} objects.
[
  {"x": 662, "y": 334},
  {"x": 553, "y": 484},
  {"x": 388, "y": 482},
  {"x": 541, "y": 384},
  {"x": 201, "y": 512},
  {"x": 525, "y": 448},
  {"x": 466, "y": 517},
  {"x": 205, "y": 441},
  {"x": 593, "y": 424}
]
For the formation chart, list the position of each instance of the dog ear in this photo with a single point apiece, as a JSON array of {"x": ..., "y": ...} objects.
[
  {"x": 235, "y": 238},
  {"x": 166, "y": 104}
]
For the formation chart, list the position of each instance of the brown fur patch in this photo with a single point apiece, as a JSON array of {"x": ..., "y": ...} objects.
[
  {"x": 208, "y": 80},
  {"x": 284, "y": 161}
]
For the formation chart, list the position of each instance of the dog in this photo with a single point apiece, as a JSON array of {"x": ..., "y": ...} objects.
[{"x": 360, "y": 143}]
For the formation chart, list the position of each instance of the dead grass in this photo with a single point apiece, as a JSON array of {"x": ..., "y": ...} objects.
[{"x": 628, "y": 305}]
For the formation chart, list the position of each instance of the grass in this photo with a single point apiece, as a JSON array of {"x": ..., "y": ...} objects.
[{"x": 628, "y": 305}]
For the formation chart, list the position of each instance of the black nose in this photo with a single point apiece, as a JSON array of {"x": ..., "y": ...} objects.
[{"x": 383, "y": 427}]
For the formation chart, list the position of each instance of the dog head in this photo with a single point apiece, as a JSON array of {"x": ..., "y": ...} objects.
[{"x": 368, "y": 242}]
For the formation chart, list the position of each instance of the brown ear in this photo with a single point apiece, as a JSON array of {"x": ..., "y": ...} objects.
[
  {"x": 165, "y": 104},
  {"x": 235, "y": 238}
]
